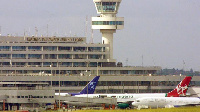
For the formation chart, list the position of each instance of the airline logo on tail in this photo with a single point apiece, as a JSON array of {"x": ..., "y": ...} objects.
[
  {"x": 92, "y": 85},
  {"x": 181, "y": 89}
]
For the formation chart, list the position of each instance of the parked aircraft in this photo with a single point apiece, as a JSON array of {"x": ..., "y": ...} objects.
[
  {"x": 165, "y": 102},
  {"x": 125, "y": 100},
  {"x": 88, "y": 89}
]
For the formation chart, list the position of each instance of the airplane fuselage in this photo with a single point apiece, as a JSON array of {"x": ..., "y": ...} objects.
[
  {"x": 165, "y": 102},
  {"x": 123, "y": 97}
]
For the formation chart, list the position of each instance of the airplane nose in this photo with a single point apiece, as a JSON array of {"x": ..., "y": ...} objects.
[{"x": 133, "y": 103}]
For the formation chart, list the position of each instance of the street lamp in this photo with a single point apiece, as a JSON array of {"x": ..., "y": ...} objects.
[
  {"x": 59, "y": 84},
  {"x": 87, "y": 80},
  {"x": 51, "y": 75},
  {"x": 97, "y": 69}
]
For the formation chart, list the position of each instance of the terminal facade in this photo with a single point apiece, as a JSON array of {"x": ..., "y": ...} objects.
[{"x": 68, "y": 63}]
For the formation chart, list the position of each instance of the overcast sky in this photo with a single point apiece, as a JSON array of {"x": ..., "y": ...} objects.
[{"x": 165, "y": 33}]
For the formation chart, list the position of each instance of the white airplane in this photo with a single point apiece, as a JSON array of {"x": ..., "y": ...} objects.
[
  {"x": 125, "y": 100},
  {"x": 165, "y": 102}
]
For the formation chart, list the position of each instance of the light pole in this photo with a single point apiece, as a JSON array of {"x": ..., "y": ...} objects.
[
  {"x": 51, "y": 76},
  {"x": 97, "y": 69},
  {"x": 87, "y": 81},
  {"x": 59, "y": 84}
]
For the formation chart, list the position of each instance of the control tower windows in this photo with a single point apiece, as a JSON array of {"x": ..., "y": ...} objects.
[
  {"x": 109, "y": 6},
  {"x": 107, "y": 22},
  {"x": 106, "y": 6}
]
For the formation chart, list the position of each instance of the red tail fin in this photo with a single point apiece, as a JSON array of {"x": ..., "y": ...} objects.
[{"x": 181, "y": 89}]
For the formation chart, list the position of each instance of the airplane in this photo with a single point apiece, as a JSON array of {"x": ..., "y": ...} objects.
[
  {"x": 125, "y": 100},
  {"x": 165, "y": 102},
  {"x": 88, "y": 89}
]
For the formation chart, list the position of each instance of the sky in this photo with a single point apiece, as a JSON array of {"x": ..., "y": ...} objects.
[{"x": 162, "y": 33}]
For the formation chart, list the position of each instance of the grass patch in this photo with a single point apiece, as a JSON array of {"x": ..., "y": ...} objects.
[{"x": 185, "y": 109}]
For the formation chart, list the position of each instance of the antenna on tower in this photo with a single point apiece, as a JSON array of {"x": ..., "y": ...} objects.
[
  {"x": 70, "y": 33},
  {"x": 47, "y": 30},
  {"x": 126, "y": 61},
  {"x": 24, "y": 34},
  {"x": 29, "y": 31},
  {"x": 183, "y": 65},
  {"x": 142, "y": 60},
  {"x": 86, "y": 26},
  {"x": 36, "y": 31},
  {"x": 154, "y": 63},
  {"x": 92, "y": 36},
  {"x": 65, "y": 34},
  {"x": 0, "y": 30}
]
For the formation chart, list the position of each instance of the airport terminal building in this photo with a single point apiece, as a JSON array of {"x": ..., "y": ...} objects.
[{"x": 68, "y": 63}]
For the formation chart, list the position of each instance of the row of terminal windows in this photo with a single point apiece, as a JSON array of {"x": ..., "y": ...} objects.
[
  {"x": 122, "y": 83},
  {"x": 52, "y": 56},
  {"x": 47, "y": 64},
  {"x": 107, "y": 22},
  {"x": 50, "y": 48},
  {"x": 30, "y": 96}
]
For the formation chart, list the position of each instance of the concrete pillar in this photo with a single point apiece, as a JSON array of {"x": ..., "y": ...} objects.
[{"x": 107, "y": 38}]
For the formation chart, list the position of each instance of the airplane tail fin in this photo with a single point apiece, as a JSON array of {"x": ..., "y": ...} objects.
[
  {"x": 181, "y": 88},
  {"x": 90, "y": 87}
]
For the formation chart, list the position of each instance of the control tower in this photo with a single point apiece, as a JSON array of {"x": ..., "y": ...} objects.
[{"x": 107, "y": 22}]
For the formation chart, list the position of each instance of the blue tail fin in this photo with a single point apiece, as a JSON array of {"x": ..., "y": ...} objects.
[{"x": 90, "y": 86}]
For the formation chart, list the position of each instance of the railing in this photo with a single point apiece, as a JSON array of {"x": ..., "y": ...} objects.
[
  {"x": 46, "y": 74},
  {"x": 5, "y": 49}
]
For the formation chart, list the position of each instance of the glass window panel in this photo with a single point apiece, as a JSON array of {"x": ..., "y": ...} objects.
[
  {"x": 4, "y": 55},
  {"x": 35, "y": 56},
  {"x": 64, "y": 48},
  {"x": 50, "y": 48},
  {"x": 104, "y": 22},
  {"x": 47, "y": 63},
  {"x": 19, "y": 48},
  {"x": 99, "y": 8},
  {"x": 34, "y": 48},
  {"x": 19, "y": 56},
  {"x": 98, "y": 3},
  {"x": 117, "y": 23},
  {"x": 108, "y": 22}
]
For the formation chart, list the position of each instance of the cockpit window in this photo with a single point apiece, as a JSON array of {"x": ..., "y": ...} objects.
[{"x": 137, "y": 100}]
